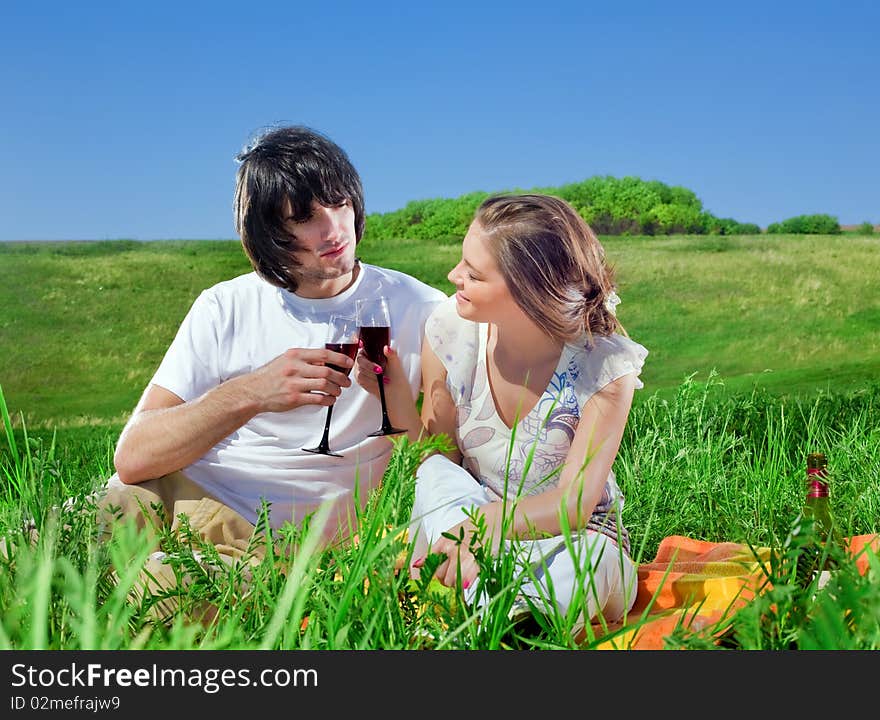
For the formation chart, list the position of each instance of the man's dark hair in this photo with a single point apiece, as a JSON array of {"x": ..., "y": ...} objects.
[{"x": 299, "y": 164}]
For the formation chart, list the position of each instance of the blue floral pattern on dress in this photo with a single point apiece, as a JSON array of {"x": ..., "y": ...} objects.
[{"x": 527, "y": 459}]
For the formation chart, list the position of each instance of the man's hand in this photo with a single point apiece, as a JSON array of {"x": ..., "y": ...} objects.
[
  {"x": 165, "y": 433},
  {"x": 299, "y": 376}
]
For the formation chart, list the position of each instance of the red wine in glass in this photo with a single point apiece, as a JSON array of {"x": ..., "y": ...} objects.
[
  {"x": 349, "y": 348},
  {"x": 375, "y": 338},
  {"x": 342, "y": 337},
  {"x": 375, "y": 333}
]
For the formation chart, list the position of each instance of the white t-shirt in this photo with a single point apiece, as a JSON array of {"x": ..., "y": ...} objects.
[
  {"x": 241, "y": 324},
  {"x": 526, "y": 459}
]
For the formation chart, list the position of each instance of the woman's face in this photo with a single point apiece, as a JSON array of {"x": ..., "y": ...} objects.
[{"x": 481, "y": 293}]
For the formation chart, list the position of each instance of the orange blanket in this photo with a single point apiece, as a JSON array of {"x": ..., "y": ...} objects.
[{"x": 695, "y": 583}]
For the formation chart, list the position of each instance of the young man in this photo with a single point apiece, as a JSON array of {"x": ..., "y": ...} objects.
[{"x": 245, "y": 385}]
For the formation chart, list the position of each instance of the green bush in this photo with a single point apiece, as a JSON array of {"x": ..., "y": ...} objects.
[
  {"x": 430, "y": 219},
  {"x": 611, "y": 206},
  {"x": 729, "y": 226},
  {"x": 806, "y": 225},
  {"x": 664, "y": 219}
]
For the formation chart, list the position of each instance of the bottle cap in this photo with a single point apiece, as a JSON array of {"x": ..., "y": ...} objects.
[{"x": 816, "y": 461}]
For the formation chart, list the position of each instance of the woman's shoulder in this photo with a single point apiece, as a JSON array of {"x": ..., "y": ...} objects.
[
  {"x": 446, "y": 324},
  {"x": 618, "y": 345},
  {"x": 454, "y": 340},
  {"x": 602, "y": 359}
]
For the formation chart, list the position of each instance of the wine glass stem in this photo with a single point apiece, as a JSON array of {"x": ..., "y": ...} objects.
[
  {"x": 324, "y": 445},
  {"x": 381, "y": 379}
]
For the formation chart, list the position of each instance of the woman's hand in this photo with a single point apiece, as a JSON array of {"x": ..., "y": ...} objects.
[
  {"x": 365, "y": 370},
  {"x": 399, "y": 400},
  {"x": 459, "y": 557}
]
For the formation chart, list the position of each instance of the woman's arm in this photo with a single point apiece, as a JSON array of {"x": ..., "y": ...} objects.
[
  {"x": 438, "y": 407},
  {"x": 585, "y": 472},
  {"x": 581, "y": 482}
]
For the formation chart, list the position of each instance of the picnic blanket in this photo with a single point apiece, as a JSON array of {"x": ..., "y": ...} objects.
[{"x": 695, "y": 583}]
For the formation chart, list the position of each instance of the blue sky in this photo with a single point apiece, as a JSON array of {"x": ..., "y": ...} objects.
[{"x": 121, "y": 120}]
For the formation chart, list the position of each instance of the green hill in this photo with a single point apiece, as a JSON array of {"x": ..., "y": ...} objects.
[{"x": 84, "y": 325}]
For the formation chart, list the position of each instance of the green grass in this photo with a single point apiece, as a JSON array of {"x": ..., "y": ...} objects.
[
  {"x": 84, "y": 325},
  {"x": 702, "y": 464},
  {"x": 792, "y": 314},
  {"x": 762, "y": 349}
]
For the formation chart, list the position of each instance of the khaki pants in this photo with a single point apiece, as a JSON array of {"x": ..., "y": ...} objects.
[{"x": 209, "y": 520}]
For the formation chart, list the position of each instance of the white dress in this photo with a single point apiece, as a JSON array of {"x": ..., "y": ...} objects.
[{"x": 499, "y": 461}]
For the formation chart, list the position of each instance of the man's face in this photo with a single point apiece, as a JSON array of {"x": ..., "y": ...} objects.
[{"x": 326, "y": 248}]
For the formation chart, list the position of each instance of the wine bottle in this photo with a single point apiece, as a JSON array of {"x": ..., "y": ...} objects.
[{"x": 818, "y": 557}]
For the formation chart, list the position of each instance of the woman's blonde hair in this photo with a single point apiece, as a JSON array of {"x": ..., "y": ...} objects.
[{"x": 552, "y": 263}]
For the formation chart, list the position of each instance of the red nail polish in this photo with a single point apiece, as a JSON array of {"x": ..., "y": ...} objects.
[
  {"x": 377, "y": 369},
  {"x": 465, "y": 584},
  {"x": 417, "y": 563},
  {"x": 385, "y": 380}
]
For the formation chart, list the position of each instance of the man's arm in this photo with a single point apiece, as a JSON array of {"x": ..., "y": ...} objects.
[{"x": 165, "y": 434}]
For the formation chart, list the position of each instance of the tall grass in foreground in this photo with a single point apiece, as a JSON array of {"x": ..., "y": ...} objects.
[{"x": 702, "y": 464}]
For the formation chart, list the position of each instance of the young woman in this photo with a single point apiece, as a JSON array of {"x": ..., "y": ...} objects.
[{"x": 530, "y": 373}]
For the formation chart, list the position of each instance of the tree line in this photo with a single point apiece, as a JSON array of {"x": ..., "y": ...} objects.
[{"x": 611, "y": 205}]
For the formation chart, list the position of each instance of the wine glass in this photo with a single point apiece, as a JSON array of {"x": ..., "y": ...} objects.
[
  {"x": 342, "y": 337},
  {"x": 375, "y": 324}
]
